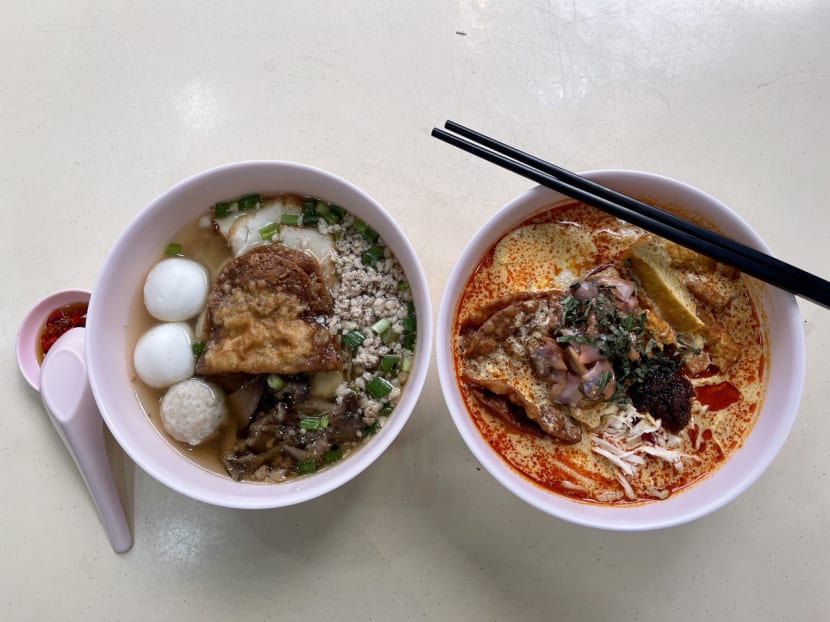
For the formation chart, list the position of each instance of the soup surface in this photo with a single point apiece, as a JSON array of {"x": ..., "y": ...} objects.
[
  {"x": 606, "y": 364},
  {"x": 300, "y": 348}
]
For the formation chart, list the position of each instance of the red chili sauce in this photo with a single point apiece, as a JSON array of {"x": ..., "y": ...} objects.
[{"x": 61, "y": 320}]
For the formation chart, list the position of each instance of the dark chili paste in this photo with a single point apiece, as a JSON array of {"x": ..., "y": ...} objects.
[{"x": 61, "y": 320}]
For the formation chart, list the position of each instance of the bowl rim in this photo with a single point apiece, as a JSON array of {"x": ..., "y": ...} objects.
[
  {"x": 605, "y": 517},
  {"x": 250, "y": 495}
]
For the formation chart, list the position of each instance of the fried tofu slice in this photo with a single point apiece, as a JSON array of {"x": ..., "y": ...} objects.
[
  {"x": 266, "y": 314},
  {"x": 650, "y": 264}
]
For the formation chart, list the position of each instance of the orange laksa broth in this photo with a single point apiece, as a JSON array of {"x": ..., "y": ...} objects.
[{"x": 604, "y": 363}]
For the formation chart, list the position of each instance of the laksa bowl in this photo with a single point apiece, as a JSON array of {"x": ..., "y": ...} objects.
[
  {"x": 611, "y": 378},
  {"x": 259, "y": 334}
]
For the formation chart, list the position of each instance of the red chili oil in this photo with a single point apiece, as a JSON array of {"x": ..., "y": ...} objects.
[{"x": 61, "y": 320}]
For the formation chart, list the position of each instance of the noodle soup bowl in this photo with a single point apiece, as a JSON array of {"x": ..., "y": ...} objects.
[
  {"x": 111, "y": 335},
  {"x": 784, "y": 362}
]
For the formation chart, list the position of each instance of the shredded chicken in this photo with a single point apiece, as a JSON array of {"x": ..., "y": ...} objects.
[{"x": 627, "y": 438}]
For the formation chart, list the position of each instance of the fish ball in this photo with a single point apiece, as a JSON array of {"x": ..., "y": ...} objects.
[
  {"x": 193, "y": 410},
  {"x": 164, "y": 355},
  {"x": 176, "y": 289}
]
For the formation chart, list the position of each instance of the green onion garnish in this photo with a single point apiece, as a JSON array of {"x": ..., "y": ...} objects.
[
  {"x": 372, "y": 428},
  {"x": 376, "y": 250},
  {"x": 220, "y": 210},
  {"x": 389, "y": 337},
  {"x": 332, "y": 455},
  {"x": 338, "y": 211},
  {"x": 369, "y": 260},
  {"x": 266, "y": 232},
  {"x": 403, "y": 286},
  {"x": 410, "y": 308},
  {"x": 385, "y": 410},
  {"x": 381, "y": 326},
  {"x": 408, "y": 340},
  {"x": 310, "y": 216},
  {"x": 331, "y": 218},
  {"x": 321, "y": 207},
  {"x": 410, "y": 324},
  {"x": 304, "y": 467},
  {"x": 369, "y": 234},
  {"x": 314, "y": 423},
  {"x": 406, "y": 363},
  {"x": 198, "y": 347},
  {"x": 275, "y": 382},
  {"x": 353, "y": 339},
  {"x": 378, "y": 387},
  {"x": 290, "y": 219},
  {"x": 389, "y": 362},
  {"x": 173, "y": 249},
  {"x": 249, "y": 201}
]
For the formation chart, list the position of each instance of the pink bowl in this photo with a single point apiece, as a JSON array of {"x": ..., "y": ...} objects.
[{"x": 120, "y": 284}]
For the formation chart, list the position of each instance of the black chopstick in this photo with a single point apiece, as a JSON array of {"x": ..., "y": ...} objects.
[{"x": 718, "y": 247}]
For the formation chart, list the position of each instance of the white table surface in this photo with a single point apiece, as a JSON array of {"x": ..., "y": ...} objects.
[{"x": 103, "y": 105}]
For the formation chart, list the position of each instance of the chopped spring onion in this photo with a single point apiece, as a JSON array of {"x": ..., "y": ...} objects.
[
  {"x": 332, "y": 213},
  {"x": 222, "y": 209},
  {"x": 378, "y": 387},
  {"x": 389, "y": 363},
  {"x": 266, "y": 232},
  {"x": 385, "y": 410},
  {"x": 408, "y": 340},
  {"x": 310, "y": 216},
  {"x": 369, "y": 234},
  {"x": 410, "y": 308},
  {"x": 372, "y": 428},
  {"x": 338, "y": 211},
  {"x": 197, "y": 347},
  {"x": 410, "y": 324},
  {"x": 389, "y": 337},
  {"x": 275, "y": 382},
  {"x": 314, "y": 423},
  {"x": 333, "y": 455},
  {"x": 403, "y": 286},
  {"x": 290, "y": 219},
  {"x": 406, "y": 363},
  {"x": 303, "y": 467},
  {"x": 381, "y": 326},
  {"x": 173, "y": 249},
  {"x": 353, "y": 339},
  {"x": 372, "y": 255},
  {"x": 249, "y": 201}
]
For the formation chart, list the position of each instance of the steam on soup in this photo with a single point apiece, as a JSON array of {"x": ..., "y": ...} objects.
[
  {"x": 604, "y": 363},
  {"x": 277, "y": 335}
]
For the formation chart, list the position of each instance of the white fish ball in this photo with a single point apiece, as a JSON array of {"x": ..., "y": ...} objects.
[
  {"x": 164, "y": 355},
  {"x": 176, "y": 289}
]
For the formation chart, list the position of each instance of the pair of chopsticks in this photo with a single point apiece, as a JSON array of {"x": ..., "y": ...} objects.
[{"x": 704, "y": 241}]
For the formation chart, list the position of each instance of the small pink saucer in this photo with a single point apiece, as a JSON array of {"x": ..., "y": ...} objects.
[{"x": 27, "y": 336}]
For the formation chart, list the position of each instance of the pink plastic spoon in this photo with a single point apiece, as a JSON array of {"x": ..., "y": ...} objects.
[{"x": 64, "y": 388}]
